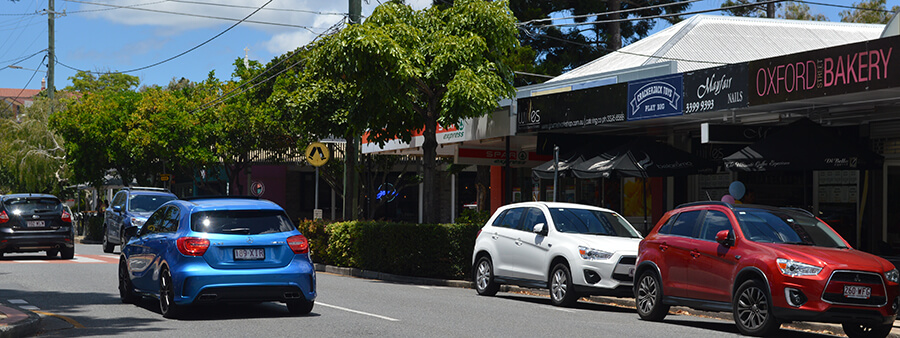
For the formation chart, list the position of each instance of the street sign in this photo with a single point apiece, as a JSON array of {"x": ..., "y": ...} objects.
[
  {"x": 317, "y": 213},
  {"x": 257, "y": 188},
  {"x": 165, "y": 177},
  {"x": 317, "y": 154}
]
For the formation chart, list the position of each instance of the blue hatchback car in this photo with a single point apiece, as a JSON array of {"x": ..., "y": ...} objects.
[{"x": 228, "y": 249}]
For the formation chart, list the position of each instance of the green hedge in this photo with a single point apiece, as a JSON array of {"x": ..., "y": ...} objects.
[{"x": 421, "y": 250}]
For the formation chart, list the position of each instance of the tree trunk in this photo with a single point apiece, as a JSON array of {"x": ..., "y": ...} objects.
[
  {"x": 429, "y": 166},
  {"x": 615, "y": 31}
]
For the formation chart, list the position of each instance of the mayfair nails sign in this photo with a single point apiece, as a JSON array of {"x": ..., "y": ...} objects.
[
  {"x": 716, "y": 88},
  {"x": 830, "y": 71}
]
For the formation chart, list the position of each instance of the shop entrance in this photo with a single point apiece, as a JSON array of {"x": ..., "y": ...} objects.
[{"x": 892, "y": 205}]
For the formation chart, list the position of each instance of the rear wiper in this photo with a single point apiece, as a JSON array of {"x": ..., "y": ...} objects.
[
  {"x": 41, "y": 210},
  {"x": 240, "y": 230}
]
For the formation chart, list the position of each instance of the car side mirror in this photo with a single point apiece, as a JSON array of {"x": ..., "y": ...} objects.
[
  {"x": 540, "y": 229},
  {"x": 725, "y": 238},
  {"x": 117, "y": 208},
  {"x": 130, "y": 232}
]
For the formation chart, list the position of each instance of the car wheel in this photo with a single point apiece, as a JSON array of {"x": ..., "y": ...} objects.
[
  {"x": 562, "y": 290},
  {"x": 52, "y": 253},
  {"x": 126, "y": 288},
  {"x": 484, "y": 278},
  {"x": 67, "y": 253},
  {"x": 107, "y": 246},
  {"x": 856, "y": 330},
  {"x": 648, "y": 297},
  {"x": 167, "y": 295},
  {"x": 752, "y": 310},
  {"x": 300, "y": 307}
]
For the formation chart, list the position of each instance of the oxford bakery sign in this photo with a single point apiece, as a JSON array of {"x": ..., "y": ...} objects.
[{"x": 824, "y": 72}]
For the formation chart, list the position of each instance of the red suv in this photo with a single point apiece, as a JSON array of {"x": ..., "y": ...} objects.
[{"x": 767, "y": 266}]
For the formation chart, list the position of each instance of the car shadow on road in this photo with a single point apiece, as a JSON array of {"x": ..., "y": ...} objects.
[
  {"x": 580, "y": 305},
  {"x": 226, "y": 311},
  {"x": 730, "y": 327}
]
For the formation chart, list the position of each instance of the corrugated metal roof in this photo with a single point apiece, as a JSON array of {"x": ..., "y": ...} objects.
[{"x": 705, "y": 41}]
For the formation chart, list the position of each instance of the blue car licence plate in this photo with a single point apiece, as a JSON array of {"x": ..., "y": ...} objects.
[{"x": 249, "y": 254}]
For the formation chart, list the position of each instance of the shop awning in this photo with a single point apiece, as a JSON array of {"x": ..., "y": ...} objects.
[
  {"x": 642, "y": 158},
  {"x": 803, "y": 145},
  {"x": 547, "y": 169}
]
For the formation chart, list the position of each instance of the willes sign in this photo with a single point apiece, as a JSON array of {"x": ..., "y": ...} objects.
[{"x": 830, "y": 71}]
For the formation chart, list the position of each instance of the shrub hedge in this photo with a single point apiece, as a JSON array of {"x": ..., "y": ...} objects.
[{"x": 421, "y": 250}]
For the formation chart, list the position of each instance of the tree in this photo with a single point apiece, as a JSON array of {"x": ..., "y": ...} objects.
[
  {"x": 748, "y": 9},
  {"x": 561, "y": 48},
  {"x": 869, "y": 11},
  {"x": 32, "y": 158},
  {"x": 800, "y": 11},
  {"x": 402, "y": 71}
]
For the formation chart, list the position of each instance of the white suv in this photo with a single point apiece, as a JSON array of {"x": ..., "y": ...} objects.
[{"x": 572, "y": 249}]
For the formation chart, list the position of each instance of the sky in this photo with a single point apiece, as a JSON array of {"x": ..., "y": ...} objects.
[{"x": 124, "y": 35}]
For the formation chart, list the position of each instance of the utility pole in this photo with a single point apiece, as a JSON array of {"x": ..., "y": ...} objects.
[
  {"x": 51, "y": 53},
  {"x": 351, "y": 148},
  {"x": 770, "y": 10}
]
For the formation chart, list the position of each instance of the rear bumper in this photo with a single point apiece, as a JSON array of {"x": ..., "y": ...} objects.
[
  {"x": 202, "y": 284},
  {"x": 36, "y": 241}
]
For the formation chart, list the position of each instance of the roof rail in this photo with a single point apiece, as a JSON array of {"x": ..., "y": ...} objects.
[
  {"x": 690, "y": 204},
  {"x": 219, "y": 197},
  {"x": 800, "y": 210},
  {"x": 146, "y": 188}
]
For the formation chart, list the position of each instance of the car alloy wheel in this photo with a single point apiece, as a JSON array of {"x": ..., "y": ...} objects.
[
  {"x": 649, "y": 297},
  {"x": 126, "y": 288},
  {"x": 562, "y": 291},
  {"x": 167, "y": 295},
  {"x": 107, "y": 246},
  {"x": 752, "y": 310},
  {"x": 484, "y": 278}
]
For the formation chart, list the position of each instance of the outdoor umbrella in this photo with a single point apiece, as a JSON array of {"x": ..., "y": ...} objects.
[
  {"x": 642, "y": 158},
  {"x": 803, "y": 145},
  {"x": 546, "y": 170}
]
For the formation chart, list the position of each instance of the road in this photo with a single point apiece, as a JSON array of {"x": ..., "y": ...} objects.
[{"x": 79, "y": 298}]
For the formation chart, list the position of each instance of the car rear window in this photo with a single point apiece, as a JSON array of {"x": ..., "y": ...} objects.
[
  {"x": 147, "y": 203},
  {"x": 26, "y": 205},
  {"x": 241, "y": 222}
]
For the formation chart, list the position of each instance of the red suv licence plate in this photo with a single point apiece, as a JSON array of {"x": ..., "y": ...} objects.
[
  {"x": 249, "y": 254},
  {"x": 858, "y": 292}
]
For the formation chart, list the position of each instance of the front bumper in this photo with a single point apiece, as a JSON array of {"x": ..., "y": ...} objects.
[
  {"x": 200, "y": 283},
  {"x": 613, "y": 277},
  {"x": 836, "y": 315}
]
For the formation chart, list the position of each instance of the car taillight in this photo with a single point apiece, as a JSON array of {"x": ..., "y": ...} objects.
[
  {"x": 66, "y": 217},
  {"x": 4, "y": 217},
  {"x": 192, "y": 246},
  {"x": 298, "y": 244}
]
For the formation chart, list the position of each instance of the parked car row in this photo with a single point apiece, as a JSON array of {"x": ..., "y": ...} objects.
[{"x": 765, "y": 265}]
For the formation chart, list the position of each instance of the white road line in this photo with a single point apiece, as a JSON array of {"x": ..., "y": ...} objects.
[
  {"x": 82, "y": 259},
  {"x": 357, "y": 312},
  {"x": 17, "y": 301},
  {"x": 30, "y": 307},
  {"x": 31, "y": 261},
  {"x": 559, "y": 309}
]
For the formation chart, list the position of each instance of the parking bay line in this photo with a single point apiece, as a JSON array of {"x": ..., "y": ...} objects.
[{"x": 357, "y": 312}]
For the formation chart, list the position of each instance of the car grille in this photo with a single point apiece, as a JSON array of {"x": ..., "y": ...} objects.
[
  {"x": 625, "y": 264},
  {"x": 834, "y": 289}
]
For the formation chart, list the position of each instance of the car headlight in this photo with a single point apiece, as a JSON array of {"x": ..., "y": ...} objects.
[
  {"x": 794, "y": 268},
  {"x": 138, "y": 222},
  {"x": 593, "y": 254},
  {"x": 892, "y": 276}
]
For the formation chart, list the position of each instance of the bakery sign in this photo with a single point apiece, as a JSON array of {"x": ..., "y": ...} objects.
[
  {"x": 655, "y": 97},
  {"x": 716, "y": 89},
  {"x": 830, "y": 71}
]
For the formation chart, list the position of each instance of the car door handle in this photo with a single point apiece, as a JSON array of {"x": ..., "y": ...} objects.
[
  {"x": 695, "y": 253},
  {"x": 519, "y": 241},
  {"x": 494, "y": 236},
  {"x": 663, "y": 247}
]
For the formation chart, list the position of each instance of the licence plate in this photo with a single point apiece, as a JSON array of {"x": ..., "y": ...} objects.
[
  {"x": 857, "y": 292},
  {"x": 249, "y": 254},
  {"x": 35, "y": 224}
]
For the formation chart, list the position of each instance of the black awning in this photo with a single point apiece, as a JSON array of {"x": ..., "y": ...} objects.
[
  {"x": 803, "y": 145},
  {"x": 642, "y": 158}
]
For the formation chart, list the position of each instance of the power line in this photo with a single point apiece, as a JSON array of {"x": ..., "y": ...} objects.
[
  {"x": 21, "y": 58},
  {"x": 114, "y": 8},
  {"x": 196, "y": 15},
  {"x": 842, "y": 6},
  {"x": 269, "y": 9},
  {"x": 182, "y": 53},
  {"x": 36, "y": 70},
  {"x": 609, "y": 13},
  {"x": 659, "y": 16}
]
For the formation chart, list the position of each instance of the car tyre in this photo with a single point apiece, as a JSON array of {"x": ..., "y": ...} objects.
[
  {"x": 752, "y": 308},
  {"x": 648, "y": 297},
  {"x": 562, "y": 290},
  {"x": 856, "y": 330},
  {"x": 52, "y": 253},
  {"x": 300, "y": 307},
  {"x": 107, "y": 246},
  {"x": 126, "y": 287},
  {"x": 484, "y": 278},
  {"x": 67, "y": 253},
  {"x": 167, "y": 305}
]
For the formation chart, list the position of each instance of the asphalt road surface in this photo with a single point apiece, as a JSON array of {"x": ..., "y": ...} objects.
[{"x": 79, "y": 298}]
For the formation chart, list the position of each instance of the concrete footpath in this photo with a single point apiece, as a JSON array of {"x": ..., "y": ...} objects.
[{"x": 16, "y": 322}]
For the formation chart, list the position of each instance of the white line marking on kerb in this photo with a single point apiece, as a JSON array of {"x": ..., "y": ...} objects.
[
  {"x": 17, "y": 301},
  {"x": 559, "y": 309},
  {"x": 357, "y": 312},
  {"x": 30, "y": 307}
]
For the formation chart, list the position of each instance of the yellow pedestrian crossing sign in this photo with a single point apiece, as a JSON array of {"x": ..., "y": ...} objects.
[{"x": 317, "y": 154}]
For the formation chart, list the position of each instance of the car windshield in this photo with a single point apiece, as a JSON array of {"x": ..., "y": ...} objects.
[
  {"x": 27, "y": 205},
  {"x": 241, "y": 222},
  {"x": 147, "y": 203},
  {"x": 788, "y": 227},
  {"x": 593, "y": 222}
]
